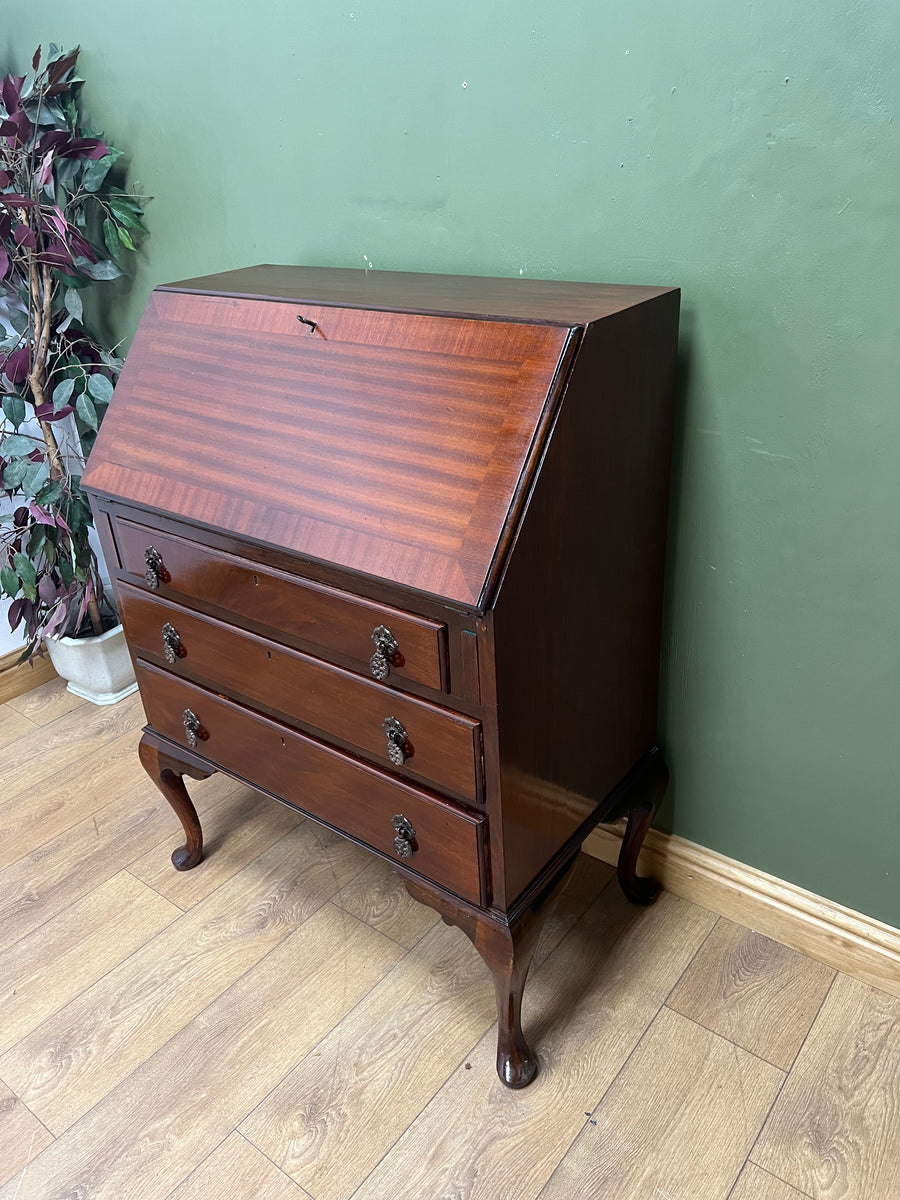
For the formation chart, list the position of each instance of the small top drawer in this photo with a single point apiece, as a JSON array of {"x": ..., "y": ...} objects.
[{"x": 410, "y": 647}]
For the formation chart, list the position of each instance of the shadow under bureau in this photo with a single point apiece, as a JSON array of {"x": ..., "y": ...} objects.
[{"x": 390, "y": 549}]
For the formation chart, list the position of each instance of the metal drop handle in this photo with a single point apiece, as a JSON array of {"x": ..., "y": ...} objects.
[
  {"x": 172, "y": 646},
  {"x": 386, "y": 646},
  {"x": 397, "y": 741},
  {"x": 155, "y": 570},
  {"x": 193, "y": 730},
  {"x": 405, "y": 844}
]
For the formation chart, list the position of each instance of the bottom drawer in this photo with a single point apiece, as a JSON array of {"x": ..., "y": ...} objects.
[{"x": 448, "y": 843}]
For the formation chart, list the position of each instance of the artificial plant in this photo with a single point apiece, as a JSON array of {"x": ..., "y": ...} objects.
[{"x": 63, "y": 228}]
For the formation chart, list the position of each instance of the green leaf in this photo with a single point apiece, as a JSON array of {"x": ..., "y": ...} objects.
[
  {"x": 84, "y": 406},
  {"x": 25, "y": 568},
  {"x": 100, "y": 387},
  {"x": 36, "y": 541},
  {"x": 50, "y": 493},
  {"x": 110, "y": 237},
  {"x": 9, "y": 581},
  {"x": 14, "y": 410},
  {"x": 127, "y": 210},
  {"x": 36, "y": 475},
  {"x": 66, "y": 571},
  {"x": 72, "y": 281},
  {"x": 18, "y": 318},
  {"x": 62, "y": 393},
  {"x": 105, "y": 269},
  {"x": 17, "y": 444},
  {"x": 74, "y": 304},
  {"x": 15, "y": 473},
  {"x": 97, "y": 170},
  {"x": 125, "y": 238}
]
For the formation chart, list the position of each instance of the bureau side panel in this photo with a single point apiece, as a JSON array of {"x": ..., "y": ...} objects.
[{"x": 578, "y": 614}]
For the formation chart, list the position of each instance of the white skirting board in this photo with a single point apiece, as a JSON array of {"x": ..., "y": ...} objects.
[{"x": 850, "y": 941}]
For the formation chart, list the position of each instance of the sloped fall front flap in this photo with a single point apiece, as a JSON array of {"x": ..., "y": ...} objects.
[{"x": 391, "y": 444}]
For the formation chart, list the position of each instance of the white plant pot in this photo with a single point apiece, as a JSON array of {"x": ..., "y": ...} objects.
[{"x": 96, "y": 668}]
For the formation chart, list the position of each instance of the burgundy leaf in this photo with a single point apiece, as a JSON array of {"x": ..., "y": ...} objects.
[
  {"x": 58, "y": 218},
  {"x": 25, "y": 237},
  {"x": 44, "y": 412},
  {"x": 36, "y": 455},
  {"x": 45, "y": 170},
  {"x": 85, "y": 601},
  {"x": 20, "y": 517},
  {"x": 58, "y": 619},
  {"x": 56, "y": 70},
  {"x": 36, "y": 61},
  {"x": 11, "y": 90},
  {"x": 17, "y": 128},
  {"x": 86, "y": 148},
  {"x": 4, "y": 262},
  {"x": 15, "y": 612},
  {"x": 40, "y": 515},
  {"x": 15, "y": 368},
  {"x": 47, "y": 590},
  {"x": 16, "y": 200},
  {"x": 80, "y": 246},
  {"x": 52, "y": 140},
  {"x": 4, "y": 179},
  {"x": 56, "y": 254},
  {"x": 62, "y": 523}
]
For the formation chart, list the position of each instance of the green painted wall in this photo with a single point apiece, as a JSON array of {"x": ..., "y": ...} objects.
[{"x": 747, "y": 152}]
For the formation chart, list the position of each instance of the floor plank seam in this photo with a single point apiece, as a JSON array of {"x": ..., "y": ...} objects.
[
  {"x": 33, "y": 1115},
  {"x": 280, "y": 1170},
  {"x": 52, "y": 917},
  {"x": 812, "y": 1024},
  {"x": 722, "y": 1038},
  {"x": 712, "y": 930},
  {"x": 429, "y": 1101},
  {"x": 183, "y": 911},
  {"x": 327, "y": 1032},
  {"x": 196, "y": 1167},
  {"x": 214, "y": 1000}
]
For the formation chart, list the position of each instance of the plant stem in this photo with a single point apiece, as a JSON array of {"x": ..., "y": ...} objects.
[
  {"x": 42, "y": 308},
  {"x": 94, "y": 613}
]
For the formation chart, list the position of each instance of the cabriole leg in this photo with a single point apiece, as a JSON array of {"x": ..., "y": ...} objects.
[
  {"x": 650, "y": 787},
  {"x": 166, "y": 772},
  {"x": 507, "y": 951}
]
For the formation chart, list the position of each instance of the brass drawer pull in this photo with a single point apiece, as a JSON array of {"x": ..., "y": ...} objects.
[
  {"x": 386, "y": 647},
  {"x": 172, "y": 643},
  {"x": 193, "y": 730},
  {"x": 397, "y": 741},
  {"x": 155, "y": 571},
  {"x": 405, "y": 842}
]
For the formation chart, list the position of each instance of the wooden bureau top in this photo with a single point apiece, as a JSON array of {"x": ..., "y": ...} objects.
[
  {"x": 542, "y": 300},
  {"x": 360, "y": 421}
]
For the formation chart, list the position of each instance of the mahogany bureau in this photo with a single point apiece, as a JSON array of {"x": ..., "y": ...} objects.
[{"x": 390, "y": 548}]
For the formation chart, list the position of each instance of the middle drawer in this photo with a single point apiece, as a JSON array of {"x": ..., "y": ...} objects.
[{"x": 436, "y": 745}]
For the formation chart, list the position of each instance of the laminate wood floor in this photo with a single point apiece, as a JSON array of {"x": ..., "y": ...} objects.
[{"x": 284, "y": 1023}]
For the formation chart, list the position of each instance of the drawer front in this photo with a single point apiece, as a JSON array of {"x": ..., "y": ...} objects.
[
  {"x": 356, "y": 799},
  {"x": 443, "y": 747},
  {"x": 324, "y": 617}
]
